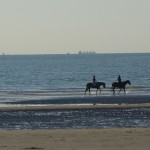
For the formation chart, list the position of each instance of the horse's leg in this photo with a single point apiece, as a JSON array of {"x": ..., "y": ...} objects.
[
  {"x": 86, "y": 88},
  {"x": 113, "y": 89},
  {"x": 97, "y": 90},
  {"x": 124, "y": 91},
  {"x": 100, "y": 90},
  {"x": 89, "y": 90},
  {"x": 119, "y": 91}
]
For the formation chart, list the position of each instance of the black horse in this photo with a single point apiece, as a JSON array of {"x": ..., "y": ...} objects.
[
  {"x": 120, "y": 85},
  {"x": 97, "y": 86}
]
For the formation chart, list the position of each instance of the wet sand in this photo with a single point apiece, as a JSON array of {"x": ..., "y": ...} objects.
[
  {"x": 76, "y": 139},
  {"x": 14, "y": 107}
]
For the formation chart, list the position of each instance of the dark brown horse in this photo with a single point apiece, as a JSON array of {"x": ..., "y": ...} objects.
[
  {"x": 97, "y": 86},
  {"x": 120, "y": 85}
]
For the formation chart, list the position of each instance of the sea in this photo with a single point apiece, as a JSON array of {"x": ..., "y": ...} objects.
[{"x": 40, "y": 80}]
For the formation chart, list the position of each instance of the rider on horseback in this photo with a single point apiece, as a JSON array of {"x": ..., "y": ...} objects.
[
  {"x": 94, "y": 81},
  {"x": 119, "y": 79}
]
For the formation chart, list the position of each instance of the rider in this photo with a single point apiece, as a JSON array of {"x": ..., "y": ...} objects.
[
  {"x": 119, "y": 79},
  {"x": 94, "y": 80}
]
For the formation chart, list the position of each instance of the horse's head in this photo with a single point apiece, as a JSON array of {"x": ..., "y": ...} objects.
[
  {"x": 128, "y": 82},
  {"x": 101, "y": 83}
]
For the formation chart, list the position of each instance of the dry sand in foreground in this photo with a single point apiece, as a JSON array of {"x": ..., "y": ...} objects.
[{"x": 76, "y": 139}]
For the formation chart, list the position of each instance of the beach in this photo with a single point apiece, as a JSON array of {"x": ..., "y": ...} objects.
[
  {"x": 76, "y": 139},
  {"x": 43, "y": 104},
  {"x": 17, "y": 107},
  {"x": 73, "y": 138}
]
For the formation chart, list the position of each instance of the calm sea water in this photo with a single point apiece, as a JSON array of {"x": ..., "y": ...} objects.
[
  {"x": 60, "y": 79},
  {"x": 40, "y": 77}
]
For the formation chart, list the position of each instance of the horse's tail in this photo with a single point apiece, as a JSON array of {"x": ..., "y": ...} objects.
[
  {"x": 112, "y": 87},
  {"x": 104, "y": 85},
  {"x": 86, "y": 88}
]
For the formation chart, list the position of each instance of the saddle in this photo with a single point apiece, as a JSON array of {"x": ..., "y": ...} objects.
[{"x": 94, "y": 85}]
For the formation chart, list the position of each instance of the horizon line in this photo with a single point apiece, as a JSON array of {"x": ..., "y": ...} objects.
[{"x": 68, "y": 53}]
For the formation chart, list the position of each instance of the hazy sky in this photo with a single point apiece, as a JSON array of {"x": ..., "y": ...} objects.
[{"x": 61, "y": 26}]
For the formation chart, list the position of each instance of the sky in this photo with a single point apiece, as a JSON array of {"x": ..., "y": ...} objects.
[{"x": 62, "y": 26}]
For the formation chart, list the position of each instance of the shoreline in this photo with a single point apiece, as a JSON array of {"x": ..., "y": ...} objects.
[
  {"x": 17, "y": 107},
  {"x": 76, "y": 139}
]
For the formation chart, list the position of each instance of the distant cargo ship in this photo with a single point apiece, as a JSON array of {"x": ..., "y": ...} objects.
[{"x": 87, "y": 52}]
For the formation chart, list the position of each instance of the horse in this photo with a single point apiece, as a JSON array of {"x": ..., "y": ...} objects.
[
  {"x": 120, "y": 85},
  {"x": 92, "y": 85}
]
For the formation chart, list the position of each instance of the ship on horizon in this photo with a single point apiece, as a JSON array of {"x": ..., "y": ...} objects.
[{"x": 86, "y": 52}]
